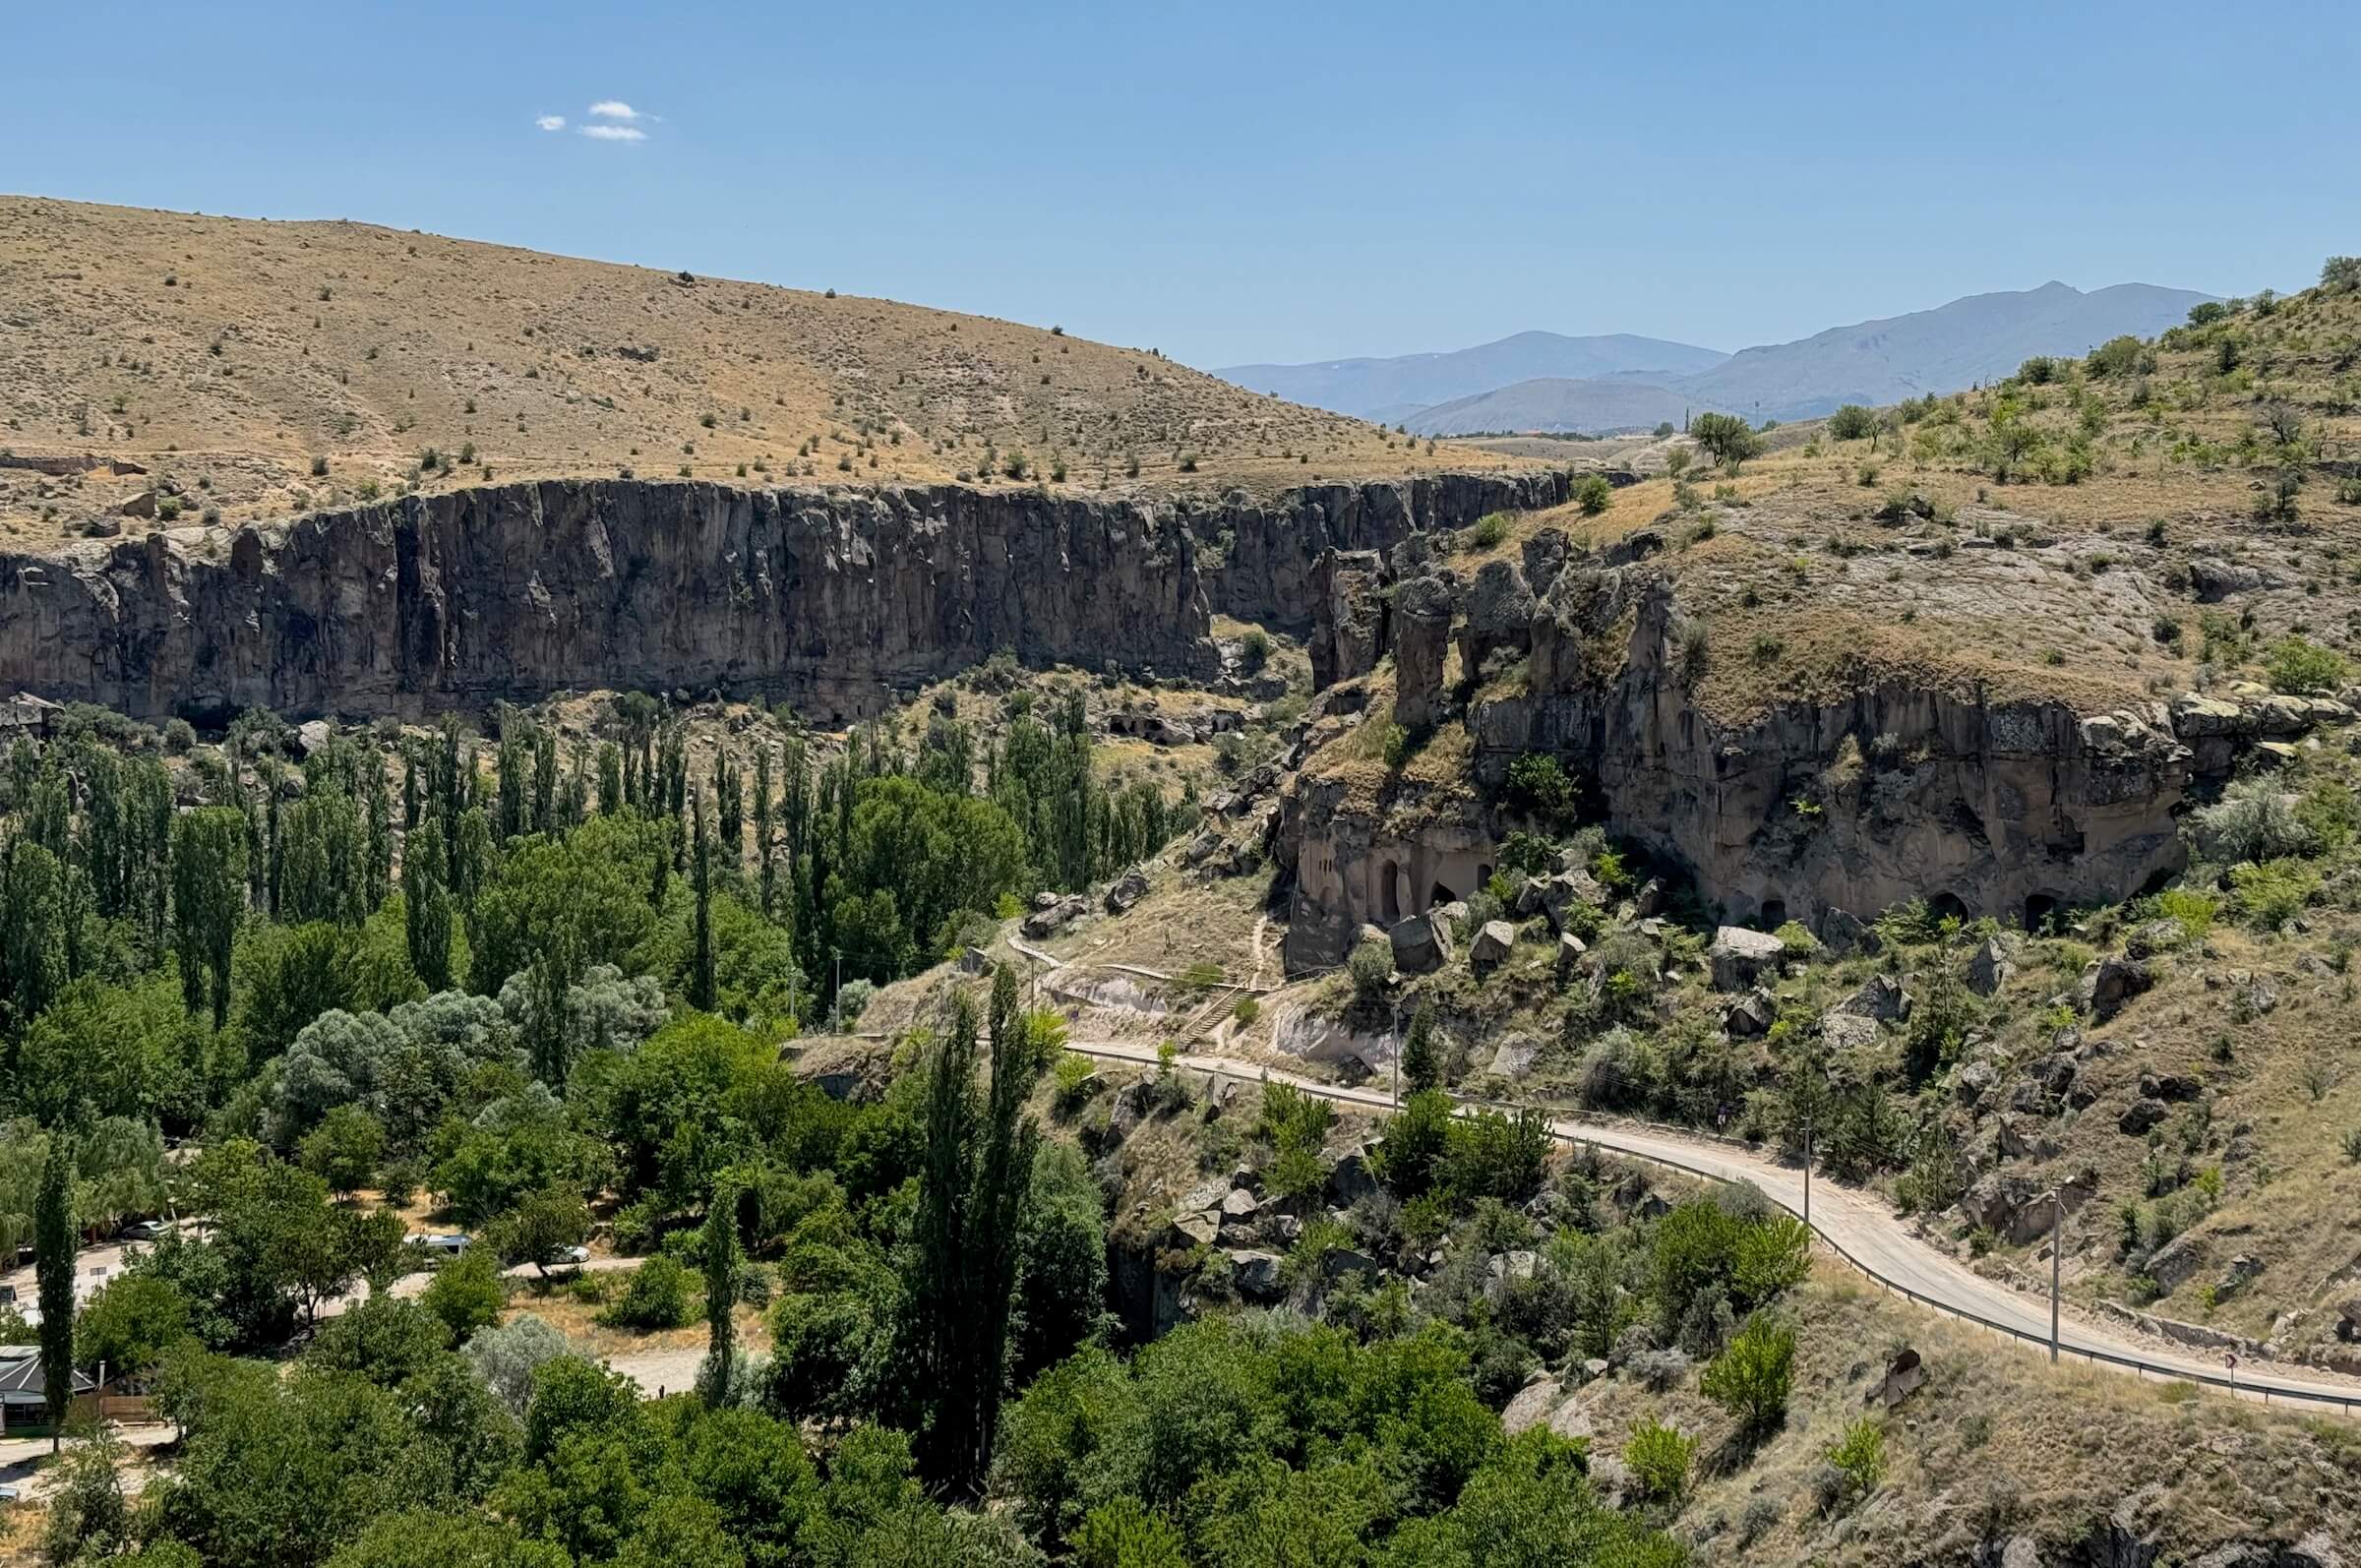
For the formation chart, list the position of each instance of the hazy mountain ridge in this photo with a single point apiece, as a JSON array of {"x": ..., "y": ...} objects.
[
  {"x": 1389, "y": 388},
  {"x": 1964, "y": 344},
  {"x": 1593, "y": 405},
  {"x": 1590, "y": 383}
]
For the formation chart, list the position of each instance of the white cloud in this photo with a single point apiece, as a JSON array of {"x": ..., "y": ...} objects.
[
  {"x": 551, "y": 122},
  {"x": 614, "y": 133},
  {"x": 614, "y": 109}
]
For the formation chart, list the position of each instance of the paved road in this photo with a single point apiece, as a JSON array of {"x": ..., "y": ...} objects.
[{"x": 1858, "y": 1226}]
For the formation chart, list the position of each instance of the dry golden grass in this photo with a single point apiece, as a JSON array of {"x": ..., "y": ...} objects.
[
  {"x": 1996, "y": 1443},
  {"x": 2287, "y": 1186},
  {"x": 234, "y": 352},
  {"x": 2057, "y": 579},
  {"x": 578, "y": 1321}
]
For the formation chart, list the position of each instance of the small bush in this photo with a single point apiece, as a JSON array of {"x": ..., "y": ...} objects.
[
  {"x": 2193, "y": 909},
  {"x": 1659, "y": 1458},
  {"x": 1371, "y": 965},
  {"x": 659, "y": 1296},
  {"x": 466, "y": 1295},
  {"x": 1592, "y": 494},
  {"x": 2273, "y": 892},
  {"x": 1859, "y": 1460},
  {"x": 1752, "y": 1377},
  {"x": 1075, "y": 1075},
  {"x": 1489, "y": 530},
  {"x": 1852, "y": 422},
  {"x": 2301, "y": 667},
  {"x": 2255, "y": 820}
]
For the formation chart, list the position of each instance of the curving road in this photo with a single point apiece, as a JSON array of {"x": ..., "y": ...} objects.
[{"x": 1860, "y": 1229}]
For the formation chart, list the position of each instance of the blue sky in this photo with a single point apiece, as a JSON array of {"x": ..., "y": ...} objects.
[{"x": 1274, "y": 181}]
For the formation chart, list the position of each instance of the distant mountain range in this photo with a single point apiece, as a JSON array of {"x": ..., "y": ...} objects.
[
  {"x": 1393, "y": 390},
  {"x": 1541, "y": 381}
]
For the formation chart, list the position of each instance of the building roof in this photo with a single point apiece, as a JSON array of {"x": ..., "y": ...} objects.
[{"x": 21, "y": 1380}]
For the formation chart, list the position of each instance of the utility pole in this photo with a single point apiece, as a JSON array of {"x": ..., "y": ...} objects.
[
  {"x": 836, "y": 1002},
  {"x": 2057, "y": 1249},
  {"x": 1807, "y": 1173}
]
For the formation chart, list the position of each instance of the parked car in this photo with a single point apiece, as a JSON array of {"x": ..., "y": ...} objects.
[
  {"x": 575, "y": 1254},
  {"x": 143, "y": 1231}
]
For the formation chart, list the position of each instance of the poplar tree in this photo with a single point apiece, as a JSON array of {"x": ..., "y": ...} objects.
[
  {"x": 208, "y": 877},
  {"x": 1422, "y": 1056},
  {"x": 700, "y": 974},
  {"x": 723, "y": 1261},
  {"x": 978, "y": 1166},
  {"x": 53, "y": 1267},
  {"x": 32, "y": 940},
  {"x": 426, "y": 907},
  {"x": 762, "y": 856}
]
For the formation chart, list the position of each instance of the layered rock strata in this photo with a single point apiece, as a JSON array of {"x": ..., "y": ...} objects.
[
  {"x": 1818, "y": 808},
  {"x": 830, "y": 600}
]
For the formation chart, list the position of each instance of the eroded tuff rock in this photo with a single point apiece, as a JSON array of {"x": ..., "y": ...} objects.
[
  {"x": 1260, "y": 560},
  {"x": 2013, "y": 809},
  {"x": 830, "y": 599},
  {"x": 1351, "y": 626},
  {"x": 1422, "y": 627}
]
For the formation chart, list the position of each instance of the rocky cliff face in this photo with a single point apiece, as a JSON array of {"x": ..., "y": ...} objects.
[
  {"x": 1896, "y": 791},
  {"x": 825, "y": 599},
  {"x": 1260, "y": 560}
]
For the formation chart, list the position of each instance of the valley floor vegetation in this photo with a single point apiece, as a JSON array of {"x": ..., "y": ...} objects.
[{"x": 533, "y": 1000}]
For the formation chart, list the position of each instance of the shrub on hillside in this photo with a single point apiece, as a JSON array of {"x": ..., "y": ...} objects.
[
  {"x": 2300, "y": 667},
  {"x": 657, "y": 1296}
]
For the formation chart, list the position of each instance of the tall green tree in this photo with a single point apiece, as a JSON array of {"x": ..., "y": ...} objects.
[
  {"x": 977, "y": 1169},
  {"x": 32, "y": 943},
  {"x": 53, "y": 1268},
  {"x": 700, "y": 972},
  {"x": 1422, "y": 1053},
  {"x": 723, "y": 1263},
  {"x": 426, "y": 906},
  {"x": 763, "y": 860},
  {"x": 208, "y": 879}
]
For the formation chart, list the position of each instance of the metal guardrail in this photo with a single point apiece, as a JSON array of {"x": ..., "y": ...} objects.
[{"x": 2349, "y": 1404}]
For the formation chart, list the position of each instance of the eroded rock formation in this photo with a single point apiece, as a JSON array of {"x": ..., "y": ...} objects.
[
  {"x": 828, "y": 599},
  {"x": 2009, "y": 809},
  {"x": 1258, "y": 560}
]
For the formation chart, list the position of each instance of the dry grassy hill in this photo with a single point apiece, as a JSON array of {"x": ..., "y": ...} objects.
[
  {"x": 2105, "y": 529},
  {"x": 266, "y": 367}
]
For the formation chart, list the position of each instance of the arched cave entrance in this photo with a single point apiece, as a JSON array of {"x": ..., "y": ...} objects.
[
  {"x": 1390, "y": 877},
  {"x": 1775, "y": 913},
  {"x": 1438, "y": 895},
  {"x": 1947, "y": 906},
  {"x": 2041, "y": 909}
]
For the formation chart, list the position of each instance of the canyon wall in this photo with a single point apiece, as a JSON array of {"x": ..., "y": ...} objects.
[
  {"x": 1810, "y": 809},
  {"x": 828, "y": 599},
  {"x": 1258, "y": 562}
]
